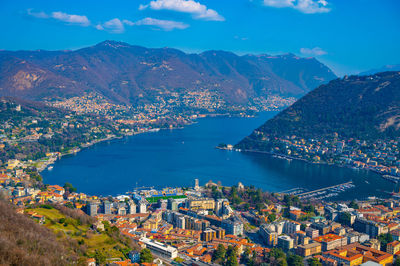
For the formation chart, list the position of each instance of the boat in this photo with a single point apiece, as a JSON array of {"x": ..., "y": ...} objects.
[{"x": 50, "y": 168}]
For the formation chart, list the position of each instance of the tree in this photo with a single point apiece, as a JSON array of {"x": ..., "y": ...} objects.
[
  {"x": 295, "y": 260},
  {"x": 232, "y": 260},
  {"x": 271, "y": 217},
  {"x": 146, "y": 256},
  {"x": 353, "y": 205},
  {"x": 69, "y": 187},
  {"x": 314, "y": 262},
  {"x": 282, "y": 262},
  {"x": 99, "y": 257},
  {"x": 276, "y": 253},
  {"x": 345, "y": 218},
  {"x": 385, "y": 239},
  {"x": 219, "y": 253},
  {"x": 397, "y": 262}
]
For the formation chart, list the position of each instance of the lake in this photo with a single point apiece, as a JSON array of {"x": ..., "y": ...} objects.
[{"x": 176, "y": 157}]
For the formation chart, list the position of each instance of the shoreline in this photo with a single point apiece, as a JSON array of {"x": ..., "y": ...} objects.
[{"x": 306, "y": 161}]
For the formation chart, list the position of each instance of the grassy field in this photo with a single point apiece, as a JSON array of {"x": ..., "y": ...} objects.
[
  {"x": 66, "y": 227},
  {"x": 155, "y": 199}
]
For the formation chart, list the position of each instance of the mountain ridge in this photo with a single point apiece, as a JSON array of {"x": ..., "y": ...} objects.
[{"x": 131, "y": 74}]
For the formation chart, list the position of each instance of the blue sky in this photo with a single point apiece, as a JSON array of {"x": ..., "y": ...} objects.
[{"x": 348, "y": 35}]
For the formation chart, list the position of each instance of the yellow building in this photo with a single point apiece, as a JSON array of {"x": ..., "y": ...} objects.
[
  {"x": 308, "y": 249},
  {"x": 356, "y": 254},
  {"x": 201, "y": 204},
  {"x": 393, "y": 247}
]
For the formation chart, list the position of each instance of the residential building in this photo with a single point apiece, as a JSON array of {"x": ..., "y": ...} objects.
[
  {"x": 331, "y": 241},
  {"x": 285, "y": 242},
  {"x": 308, "y": 249}
]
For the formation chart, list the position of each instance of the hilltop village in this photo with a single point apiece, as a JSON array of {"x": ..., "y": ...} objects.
[{"x": 213, "y": 224}]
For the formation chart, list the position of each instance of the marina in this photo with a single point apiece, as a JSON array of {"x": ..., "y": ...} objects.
[{"x": 322, "y": 193}]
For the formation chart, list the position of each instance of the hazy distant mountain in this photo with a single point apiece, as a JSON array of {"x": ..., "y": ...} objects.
[
  {"x": 382, "y": 69},
  {"x": 365, "y": 107},
  {"x": 125, "y": 73}
]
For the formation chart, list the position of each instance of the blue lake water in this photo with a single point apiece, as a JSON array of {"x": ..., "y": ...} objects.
[{"x": 177, "y": 157}]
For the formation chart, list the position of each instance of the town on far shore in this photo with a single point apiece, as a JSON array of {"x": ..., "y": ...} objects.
[{"x": 215, "y": 224}]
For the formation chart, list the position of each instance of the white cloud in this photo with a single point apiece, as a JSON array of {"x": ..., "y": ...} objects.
[
  {"x": 40, "y": 14},
  {"x": 73, "y": 19},
  {"x": 114, "y": 26},
  {"x": 162, "y": 24},
  {"x": 197, "y": 10},
  {"x": 316, "y": 51},
  {"x": 241, "y": 38},
  {"x": 304, "y": 6},
  {"x": 61, "y": 16}
]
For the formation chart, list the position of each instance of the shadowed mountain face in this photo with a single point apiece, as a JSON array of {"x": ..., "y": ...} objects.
[
  {"x": 123, "y": 73},
  {"x": 366, "y": 107}
]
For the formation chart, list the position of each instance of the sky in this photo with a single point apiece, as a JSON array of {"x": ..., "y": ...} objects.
[{"x": 348, "y": 35}]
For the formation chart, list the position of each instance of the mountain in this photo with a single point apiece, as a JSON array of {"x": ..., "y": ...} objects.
[
  {"x": 124, "y": 73},
  {"x": 382, "y": 69},
  {"x": 363, "y": 107}
]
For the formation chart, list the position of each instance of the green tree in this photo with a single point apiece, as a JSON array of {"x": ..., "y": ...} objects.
[
  {"x": 295, "y": 260},
  {"x": 232, "y": 260},
  {"x": 146, "y": 256},
  {"x": 68, "y": 186},
  {"x": 397, "y": 262},
  {"x": 314, "y": 262},
  {"x": 277, "y": 253},
  {"x": 353, "y": 205},
  {"x": 385, "y": 239},
  {"x": 282, "y": 262},
  {"x": 99, "y": 257},
  {"x": 219, "y": 253},
  {"x": 271, "y": 217},
  {"x": 345, "y": 218}
]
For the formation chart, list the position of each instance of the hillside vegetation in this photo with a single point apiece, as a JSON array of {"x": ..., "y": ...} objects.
[{"x": 361, "y": 107}]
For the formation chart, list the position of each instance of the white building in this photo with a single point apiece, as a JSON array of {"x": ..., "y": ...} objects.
[{"x": 160, "y": 249}]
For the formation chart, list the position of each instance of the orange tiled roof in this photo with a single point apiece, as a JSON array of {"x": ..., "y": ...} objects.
[{"x": 327, "y": 238}]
